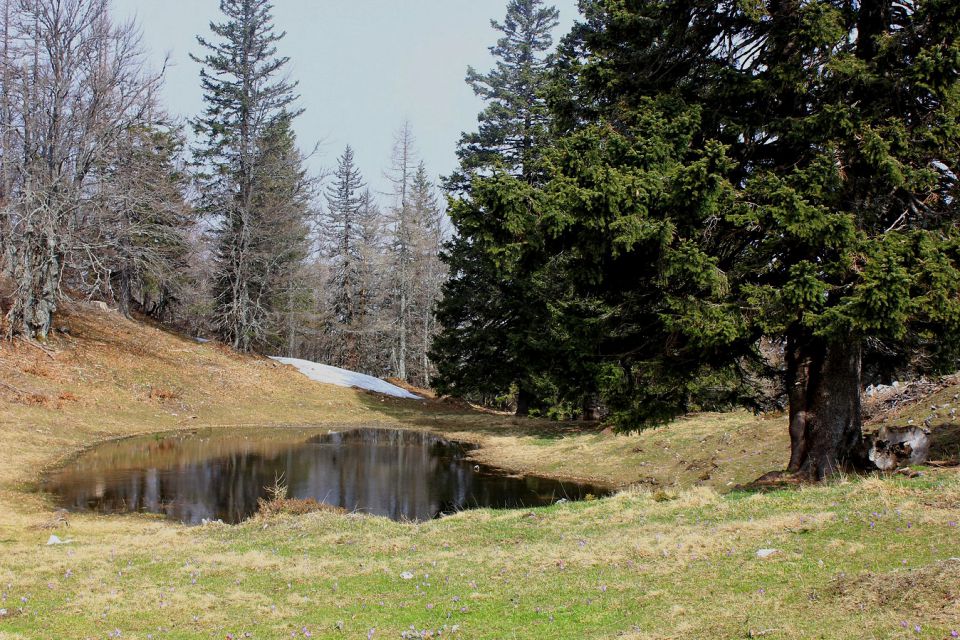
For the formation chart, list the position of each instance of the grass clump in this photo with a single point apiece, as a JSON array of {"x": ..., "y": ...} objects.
[{"x": 268, "y": 508}]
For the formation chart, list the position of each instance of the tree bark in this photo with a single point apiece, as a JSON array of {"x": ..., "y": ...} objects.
[
  {"x": 825, "y": 420},
  {"x": 797, "y": 380},
  {"x": 524, "y": 399},
  {"x": 592, "y": 411}
]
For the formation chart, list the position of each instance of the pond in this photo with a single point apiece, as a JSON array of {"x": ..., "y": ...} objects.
[{"x": 220, "y": 474}]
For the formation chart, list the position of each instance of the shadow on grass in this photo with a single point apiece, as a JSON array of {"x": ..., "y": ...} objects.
[{"x": 945, "y": 443}]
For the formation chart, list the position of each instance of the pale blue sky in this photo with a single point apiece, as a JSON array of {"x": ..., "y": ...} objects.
[{"x": 363, "y": 67}]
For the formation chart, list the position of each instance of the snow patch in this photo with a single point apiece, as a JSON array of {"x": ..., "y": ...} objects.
[{"x": 344, "y": 378}]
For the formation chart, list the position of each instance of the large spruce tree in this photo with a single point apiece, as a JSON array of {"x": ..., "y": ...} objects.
[
  {"x": 492, "y": 312},
  {"x": 245, "y": 96},
  {"x": 803, "y": 188}
]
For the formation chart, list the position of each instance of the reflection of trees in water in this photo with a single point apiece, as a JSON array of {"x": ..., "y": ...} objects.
[{"x": 399, "y": 474}]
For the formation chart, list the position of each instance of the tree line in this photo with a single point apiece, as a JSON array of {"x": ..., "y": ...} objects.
[
  {"x": 215, "y": 224},
  {"x": 687, "y": 201},
  {"x": 680, "y": 206}
]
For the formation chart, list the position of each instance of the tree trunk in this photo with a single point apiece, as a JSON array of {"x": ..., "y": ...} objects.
[
  {"x": 797, "y": 379},
  {"x": 592, "y": 411},
  {"x": 126, "y": 292},
  {"x": 402, "y": 354},
  {"x": 524, "y": 400},
  {"x": 825, "y": 421}
]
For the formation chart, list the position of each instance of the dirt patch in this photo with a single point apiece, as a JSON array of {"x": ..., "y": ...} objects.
[
  {"x": 934, "y": 590},
  {"x": 945, "y": 443},
  {"x": 888, "y": 400}
]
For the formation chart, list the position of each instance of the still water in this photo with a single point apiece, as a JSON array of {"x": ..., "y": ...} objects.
[{"x": 220, "y": 474}]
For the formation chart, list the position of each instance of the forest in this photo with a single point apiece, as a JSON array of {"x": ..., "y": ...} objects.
[{"x": 677, "y": 206}]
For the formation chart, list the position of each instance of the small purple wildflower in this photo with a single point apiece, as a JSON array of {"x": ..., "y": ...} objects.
[{"x": 917, "y": 629}]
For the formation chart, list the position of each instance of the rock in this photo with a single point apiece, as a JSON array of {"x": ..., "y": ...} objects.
[
  {"x": 56, "y": 540},
  {"x": 895, "y": 447},
  {"x": 763, "y": 554},
  {"x": 406, "y": 575}
]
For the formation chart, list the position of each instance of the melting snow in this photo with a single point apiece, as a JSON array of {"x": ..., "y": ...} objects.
[{"x": 345, "y": 378}]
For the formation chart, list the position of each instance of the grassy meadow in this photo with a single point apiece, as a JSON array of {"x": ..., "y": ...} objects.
[{"x": 673, "y": 555}]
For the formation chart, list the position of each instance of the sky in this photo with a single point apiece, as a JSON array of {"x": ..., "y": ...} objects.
[{"x": 364, "y": 66}]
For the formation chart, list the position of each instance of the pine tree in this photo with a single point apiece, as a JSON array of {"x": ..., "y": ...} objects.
[
  {"x": 492, "y": 308},
  {"x": 244, "y": 99},
  {"x": 343, "y": 233}
]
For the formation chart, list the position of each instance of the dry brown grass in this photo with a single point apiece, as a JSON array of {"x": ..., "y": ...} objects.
[
  {"x": 935, "y": 589},
  {"x": 293, "y": 507},
  {"x": 112, "y": 377}
]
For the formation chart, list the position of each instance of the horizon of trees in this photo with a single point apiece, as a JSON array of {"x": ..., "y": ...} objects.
[
  {"x": 231, "y": 236},
  {"x": 680, "y": 207}
]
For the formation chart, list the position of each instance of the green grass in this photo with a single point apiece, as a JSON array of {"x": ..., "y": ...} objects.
[{"x": 857, "y": 558}]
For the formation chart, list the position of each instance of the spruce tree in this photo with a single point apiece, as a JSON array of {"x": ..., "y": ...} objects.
[
  {"x": 245, "y": 96},
  {"x": 493, "y": 314},
  {"x": 374, "y": 337},
  {"x": 343, "y": 233},
  {"x": 283, "y": 197},
  {"x": 812, "y": 203},
  {"x": 146, "y": 234},
  {"x": 428, "y": 271},
  {"x": 514, "y": 124}
]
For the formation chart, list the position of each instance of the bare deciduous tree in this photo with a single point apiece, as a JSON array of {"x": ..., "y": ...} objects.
[{"x": 74, "y": 85}]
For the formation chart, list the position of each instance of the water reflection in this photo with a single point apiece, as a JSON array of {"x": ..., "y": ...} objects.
[{"x": 404, "y": 475}]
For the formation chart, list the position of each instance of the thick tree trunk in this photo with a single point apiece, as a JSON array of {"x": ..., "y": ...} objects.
[
  {"x": 797, "y": 380},
  {"x": 592, "y": 411},
  {"x": 126, "y": 292},
  {"x": 825, "y": 421},
  {"x": 524, "y": 400}
]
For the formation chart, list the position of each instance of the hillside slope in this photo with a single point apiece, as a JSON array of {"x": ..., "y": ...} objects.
[
  {"x": 111, "y": 377},
  {"x": 862, "y": 558}
]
